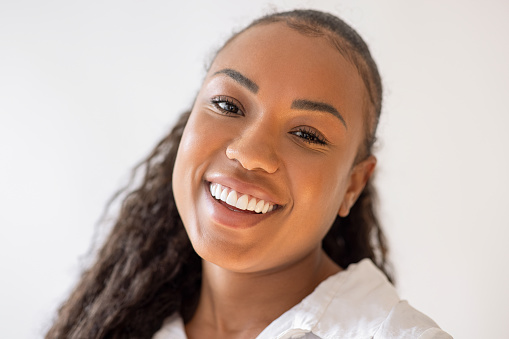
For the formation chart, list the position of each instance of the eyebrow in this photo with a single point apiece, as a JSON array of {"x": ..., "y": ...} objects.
[
  {"x": 317, "y": 106},
  {"x": 241, "y": 79}
]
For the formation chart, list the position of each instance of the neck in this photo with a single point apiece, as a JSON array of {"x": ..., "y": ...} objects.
[{"x": 233, "y": 304}]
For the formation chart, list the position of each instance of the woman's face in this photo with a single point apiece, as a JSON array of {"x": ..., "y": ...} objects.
[{"x": 279, "y": 118}]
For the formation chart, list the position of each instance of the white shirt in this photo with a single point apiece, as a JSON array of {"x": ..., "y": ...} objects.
[{"x": 358, "y": 302}]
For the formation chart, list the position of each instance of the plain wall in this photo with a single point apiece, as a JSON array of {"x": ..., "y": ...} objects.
[{"x": 88, "y": 88}]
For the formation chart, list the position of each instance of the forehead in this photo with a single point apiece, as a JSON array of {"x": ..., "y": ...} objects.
[{"x": 280, "y": 58}]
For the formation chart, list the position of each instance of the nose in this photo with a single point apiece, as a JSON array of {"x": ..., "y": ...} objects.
[{"x": 255, "y": 149}]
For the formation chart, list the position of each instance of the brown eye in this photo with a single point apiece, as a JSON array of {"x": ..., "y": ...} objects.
[{"x": 227, "y": 105}]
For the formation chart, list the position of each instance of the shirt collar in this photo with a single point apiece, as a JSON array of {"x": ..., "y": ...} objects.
[{"x": 351, "y": 303}]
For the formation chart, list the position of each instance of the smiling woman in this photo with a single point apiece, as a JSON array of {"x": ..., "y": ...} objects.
[
  {"x": 269, "y": 121},
  {"x": 256, "y": 218}
]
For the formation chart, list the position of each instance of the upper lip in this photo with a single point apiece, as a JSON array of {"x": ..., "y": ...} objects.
[{"x": 244, "y": 187}]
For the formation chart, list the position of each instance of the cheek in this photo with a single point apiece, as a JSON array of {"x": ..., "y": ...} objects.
[
  {"x": 319, "y": 188},
  {"x": 203, "y": 135},
  {"x": 202, "y": 144},
  {"x": 199, "y": 142},
  {"x": 188, "y": 168}
]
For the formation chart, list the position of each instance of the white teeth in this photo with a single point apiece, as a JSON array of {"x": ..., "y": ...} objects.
[
  {"x": 252, "y": 204},
  {"x": 224, "y": 195},
  {"x": 265, "y": 207},
  {"x": 242, "y": 202},
  {"x": 259, "y": 206},
  {"x": 245, "y": 202},
  {"x": 217, "y": 193},
  {"x": 232, "y": 198}
]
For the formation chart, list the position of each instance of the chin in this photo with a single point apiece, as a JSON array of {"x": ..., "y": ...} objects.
[{"x": 227, "y": 256}]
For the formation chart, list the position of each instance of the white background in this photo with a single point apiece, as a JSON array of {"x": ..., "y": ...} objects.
[{"x": 88, "y": 87}]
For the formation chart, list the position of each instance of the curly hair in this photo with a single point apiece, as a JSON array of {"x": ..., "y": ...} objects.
[{"x": 147, "y": 269}]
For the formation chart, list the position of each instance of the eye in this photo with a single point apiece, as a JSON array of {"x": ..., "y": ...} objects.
[
  {"x": 227, "y": 106},
  {"x": 310, "y": 136}
]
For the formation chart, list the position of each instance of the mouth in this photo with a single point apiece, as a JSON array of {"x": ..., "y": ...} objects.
[{"x": 239, "y": 202}]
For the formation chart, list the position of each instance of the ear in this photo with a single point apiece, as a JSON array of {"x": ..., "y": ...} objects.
[{"x": 358, "y": 178}]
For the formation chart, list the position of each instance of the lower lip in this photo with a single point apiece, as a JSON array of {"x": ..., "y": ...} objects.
[{"x": 223, "y": 214}]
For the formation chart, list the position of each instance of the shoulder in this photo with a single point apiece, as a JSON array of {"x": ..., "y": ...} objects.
[
  {"x": 364, "y": 304},
  {"x": 404, "y": 321}
]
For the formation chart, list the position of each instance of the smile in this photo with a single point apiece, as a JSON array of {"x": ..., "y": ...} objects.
[{"x": 240, "y": 201}]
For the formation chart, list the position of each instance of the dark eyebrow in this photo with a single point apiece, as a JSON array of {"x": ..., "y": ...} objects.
[
  {"x": 241, "y": 79},
  {"x": 317, "y": 106}
]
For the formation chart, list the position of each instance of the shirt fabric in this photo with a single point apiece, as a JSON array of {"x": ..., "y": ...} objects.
[{"x": 358, "y": 302}]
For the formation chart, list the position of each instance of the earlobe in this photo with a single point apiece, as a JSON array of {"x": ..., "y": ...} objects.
[
  {"x": 359, "y": 176},
  {"x": 346, "y": 205}
]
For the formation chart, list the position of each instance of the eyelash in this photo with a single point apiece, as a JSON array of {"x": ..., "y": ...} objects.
[
  {"x": 310, "y": 136},
  {"x": 305, "y": 133},
  {"x": 217, "y": 101}
]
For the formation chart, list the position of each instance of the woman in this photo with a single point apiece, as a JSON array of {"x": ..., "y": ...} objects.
[{"x": 255, "y": 217}]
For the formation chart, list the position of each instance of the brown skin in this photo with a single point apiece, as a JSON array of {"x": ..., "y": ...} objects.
[{"x": 258, "y": 266}]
